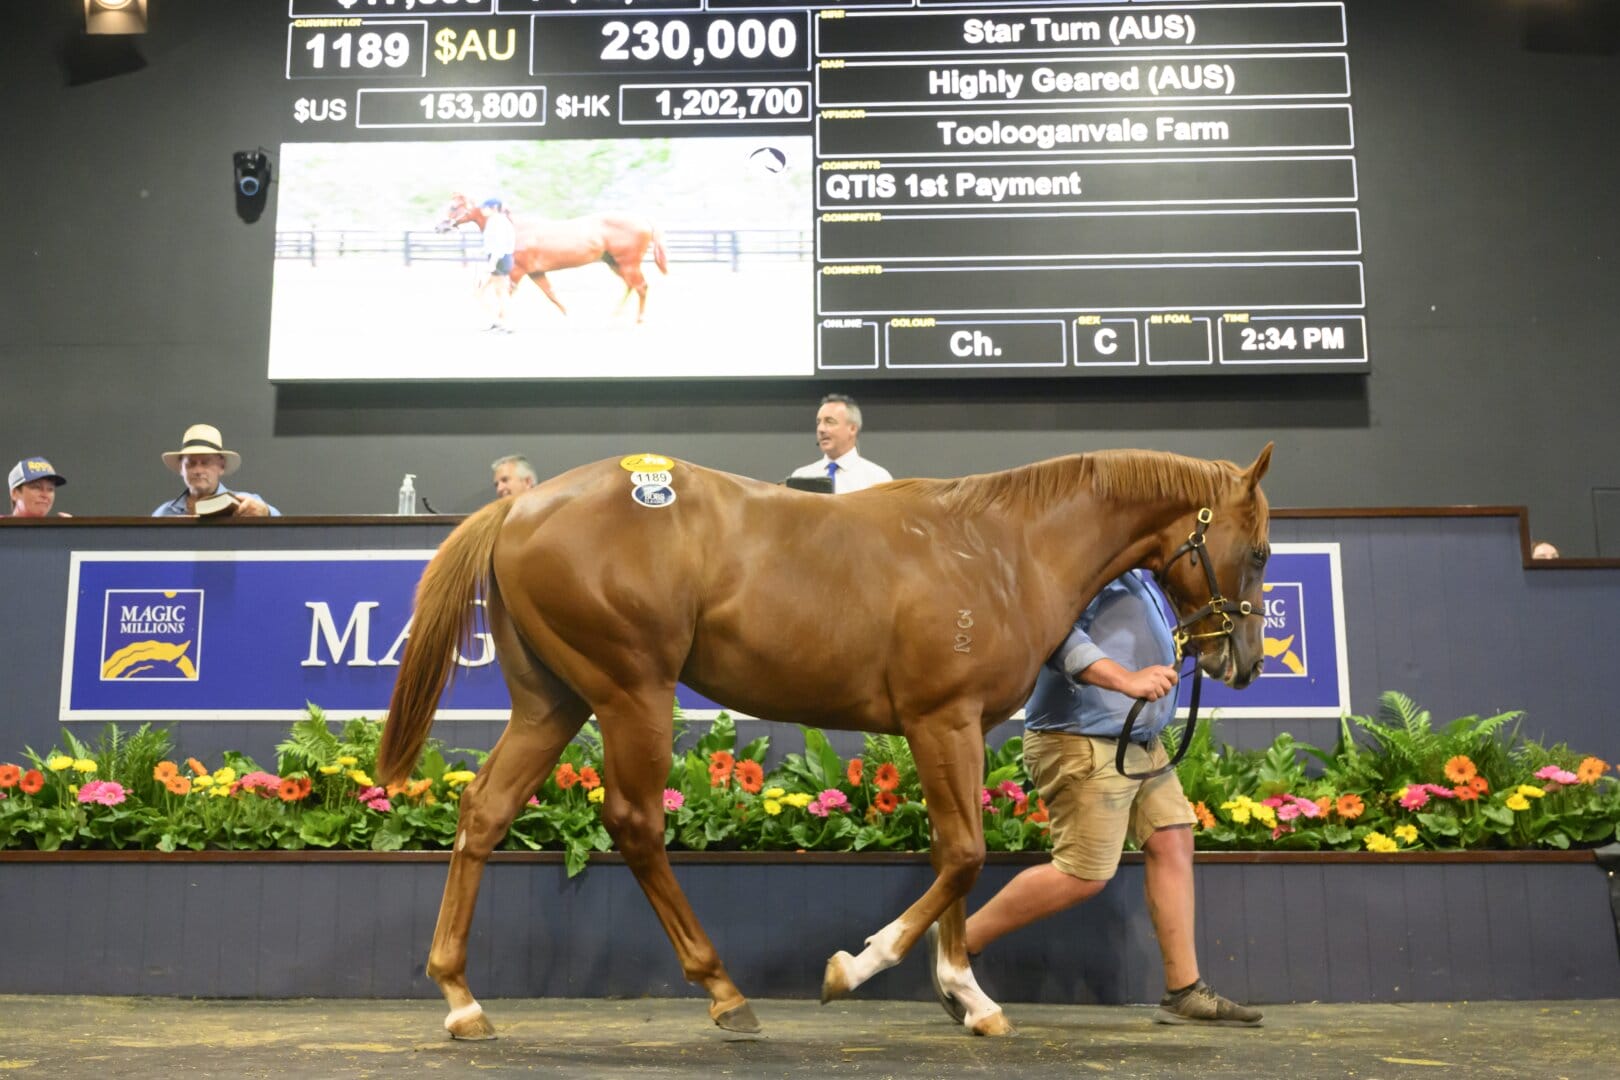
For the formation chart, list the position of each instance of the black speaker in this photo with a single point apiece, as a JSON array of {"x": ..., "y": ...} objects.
[
  {"x": 252, "y": 169},
  {"x": 252, "y": 172}
]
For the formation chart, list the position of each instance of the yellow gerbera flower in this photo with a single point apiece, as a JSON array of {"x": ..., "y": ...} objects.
[
  {"x": 330, "y": 770},
  {"x": 202, "y": 781},
  {"x": 777, "y": 793},
  {"x": 1408, "y": 834},
  {"x": 1377, "y": 841},
  {"x": 223, "y": 777},
  {"x": 58, "y": 763},
  {"x": 459, "y": 776},
  {"x": 596, "y": 794},
  {"x": 772, "y": 807},
  {"x": 348, "y": 760},
  {"x": 798, "y": 799},
  {"x": 361, "y": 778},
  {"x": 1517, "y": 801},
  {"x": 1531, "y": 792},
  {"x": 85, "y": 765}
]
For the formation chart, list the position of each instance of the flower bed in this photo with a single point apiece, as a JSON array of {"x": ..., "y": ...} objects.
[{"x": 1402, "y": 786}]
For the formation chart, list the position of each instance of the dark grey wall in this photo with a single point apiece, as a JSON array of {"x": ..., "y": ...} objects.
[{"x": 134, "y": 302}]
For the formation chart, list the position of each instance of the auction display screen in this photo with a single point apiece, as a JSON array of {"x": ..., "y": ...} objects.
[{"x": 600, "y": 189}]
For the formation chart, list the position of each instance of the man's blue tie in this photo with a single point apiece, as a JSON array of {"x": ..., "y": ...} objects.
[{"x": 832, "y": 474}]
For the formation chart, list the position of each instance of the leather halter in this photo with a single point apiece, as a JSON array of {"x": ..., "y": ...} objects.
[{"x": 1182, "y": 635}]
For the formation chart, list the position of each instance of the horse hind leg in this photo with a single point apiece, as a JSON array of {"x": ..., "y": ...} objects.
[
  {"x": 545, "y": 716},
  {"x": 637, "y": 752},
  {"x": 949, "y": 752}
]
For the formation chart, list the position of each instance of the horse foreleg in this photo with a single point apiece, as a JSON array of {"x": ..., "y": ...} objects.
[
  {"x": 544, "y": 282},
  {"x": 545, "y": 716},
  {"x": 637, "y": 755},
  {"x": 949, "y": 753}
]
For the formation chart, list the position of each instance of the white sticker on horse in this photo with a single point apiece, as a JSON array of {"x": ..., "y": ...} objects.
[
  {"x": 651, "y": 478},
  {"x": 655, "y": 496}
]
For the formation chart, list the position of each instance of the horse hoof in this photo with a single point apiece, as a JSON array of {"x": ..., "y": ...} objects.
[
  {"x": 469, "y": 1024},
  {"x": 835, "y": 982},
  {"x": 740, "y": 1019},
  {"x": 996, "y": 1024}
]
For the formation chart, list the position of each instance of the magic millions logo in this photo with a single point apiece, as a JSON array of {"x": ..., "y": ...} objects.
[
  {"x": 1286, "y": 655},
  {"x": 151, "y": 635}
]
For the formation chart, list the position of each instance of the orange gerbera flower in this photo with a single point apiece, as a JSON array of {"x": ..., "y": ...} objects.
[
  {"x": 750, "y": 776},
  {"x": 886, "y": 802},
  {"x": 10, "y": 776},
  {"x": 1460, "y": 769},
  {"x": 720, "y": 765},
  {"x": 394, "y": 790},
  {"x": 1590, "y": 769},
  {"x": 887, "y": 777},
  {"x": 1480, "y": 785},
  {"x": 197, "y": 768},
  {"x": 588, "y": 778},
  {"x": 287, "y": 790},
  {"x": 1350, "y": 806},
  {"x": 1465, "y": 792},
  {"x": 178, "y": 785},
  {"x": 855, "y": 770},
  {"x": 415, "y": 789},
  {"x": 1040, "y": 811},
  {"x": 31, "y": 782},
  {"x": 1325, "y": 805},
  {"x": 1205, "y": 818},
  {"x": 566, "y": 776},
  {"x": 163, "y": 770}
]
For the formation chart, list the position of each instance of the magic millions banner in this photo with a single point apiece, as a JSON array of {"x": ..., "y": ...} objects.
[
  {"x": 1307, "y": 670},
  {"x": 254, "y": 635}
]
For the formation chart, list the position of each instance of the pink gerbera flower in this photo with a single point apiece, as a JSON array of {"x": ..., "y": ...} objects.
[
  {"x": 673, "y": 800},
  {"x": 1012, "y": 791},
  {"x": 1556, "y": 775},
  {"x": 833, "y": 799},
  {"x": 102, "y": 792},
  {"x": 1415, "y": 797}
]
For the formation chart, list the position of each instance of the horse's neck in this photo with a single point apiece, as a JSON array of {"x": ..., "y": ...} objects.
[{"x": 1086, "y": 541}]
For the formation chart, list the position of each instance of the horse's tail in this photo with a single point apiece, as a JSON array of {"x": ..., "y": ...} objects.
[
  {"x": 658, "y": 251},
  {"x": 457, "y": 576}
]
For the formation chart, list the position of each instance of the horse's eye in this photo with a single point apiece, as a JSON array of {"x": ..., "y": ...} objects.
[{"x": 1259, "y": 558}]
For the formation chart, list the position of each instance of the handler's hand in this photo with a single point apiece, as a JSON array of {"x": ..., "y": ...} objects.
[
  {"x": 251, "y": 508},
  {"x": 1151, "y": 682}
]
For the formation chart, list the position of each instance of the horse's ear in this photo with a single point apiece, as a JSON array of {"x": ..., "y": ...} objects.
[{"x": 1261, "y": 464}]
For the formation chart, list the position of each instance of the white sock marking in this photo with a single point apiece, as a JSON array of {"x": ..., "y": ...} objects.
[
  {"x": 455, "y": 1016},
  {"x": 880, "y": 954},
  {"x": 961, "y": 985}
]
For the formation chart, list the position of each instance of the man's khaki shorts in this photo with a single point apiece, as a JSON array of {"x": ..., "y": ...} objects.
[{"x": 1092, "y": 805}]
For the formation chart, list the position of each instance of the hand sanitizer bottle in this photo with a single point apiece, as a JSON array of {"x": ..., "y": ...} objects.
[{"x": 407, "y": 494}]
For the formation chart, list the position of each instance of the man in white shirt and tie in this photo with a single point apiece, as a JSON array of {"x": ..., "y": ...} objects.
[{"x": 838, "y": 425}]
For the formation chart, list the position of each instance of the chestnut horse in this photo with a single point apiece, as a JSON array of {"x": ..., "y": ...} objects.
[
  {"x": 920, "y": 607},
  {"x": 542, "y": 246}
]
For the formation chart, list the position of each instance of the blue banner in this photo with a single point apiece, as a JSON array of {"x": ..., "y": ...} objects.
[
  {"x": 253, "y": 635},
  {"x": 1307, "y": 671}
]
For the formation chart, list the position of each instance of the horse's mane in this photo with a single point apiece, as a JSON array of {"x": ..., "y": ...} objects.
[{"x": 1116, "y": 475}]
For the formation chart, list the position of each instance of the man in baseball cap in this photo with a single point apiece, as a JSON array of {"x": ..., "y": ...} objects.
[
  {"x": 33, "y": 488},
  {"x": 201, "y": 460}
]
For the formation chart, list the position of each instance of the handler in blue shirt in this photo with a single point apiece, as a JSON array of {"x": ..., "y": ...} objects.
[
  {"x": 201, "y": 460},
  {"x": 1119, "y": 650}
]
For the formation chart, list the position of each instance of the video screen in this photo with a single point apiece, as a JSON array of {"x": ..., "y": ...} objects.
[{"x": 559, "y": 259}]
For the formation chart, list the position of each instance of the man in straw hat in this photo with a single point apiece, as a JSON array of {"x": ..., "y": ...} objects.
[{"x": 201, "y": 460}]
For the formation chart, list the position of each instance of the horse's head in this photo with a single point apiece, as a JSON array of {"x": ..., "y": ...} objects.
[
  {"x": 1214, "y": 574},
  {"x": 460, "y": 211}
]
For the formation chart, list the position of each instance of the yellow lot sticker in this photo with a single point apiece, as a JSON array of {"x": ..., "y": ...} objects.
[{"x": 646, "y": 463}]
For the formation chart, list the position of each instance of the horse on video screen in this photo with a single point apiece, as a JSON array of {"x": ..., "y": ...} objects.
[
  {"x": 920, "y": 607},
  {"x": 543, "y": 246}
]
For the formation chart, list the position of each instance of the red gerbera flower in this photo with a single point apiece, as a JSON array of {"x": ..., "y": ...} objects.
[
  {"x": 566, "y": 776},
  {"x": 887, "y": 777},
  {"x": 854, "y": 771},
  {"x": 31, "y": 782},
  {"x": 885, "y": 802},
  {"x": 720, "y": 766},
  {"x": 10, "y": 775},
  {"x": 588, "y": 778}
]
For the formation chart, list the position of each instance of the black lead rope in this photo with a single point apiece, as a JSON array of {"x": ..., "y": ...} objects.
[{"x": 1186, "y": 739}]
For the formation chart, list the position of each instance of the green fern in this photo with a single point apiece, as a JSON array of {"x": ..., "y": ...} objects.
[{"x": 309, "y": 744}]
